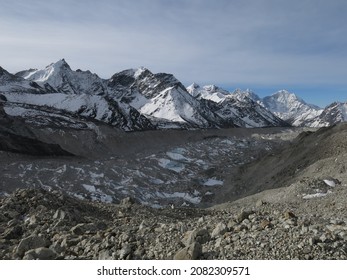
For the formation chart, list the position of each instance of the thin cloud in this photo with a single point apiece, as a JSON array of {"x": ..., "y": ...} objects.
[{"x": 259, "y": 42}]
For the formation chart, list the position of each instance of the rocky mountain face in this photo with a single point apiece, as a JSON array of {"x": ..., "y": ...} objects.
[
  {"x": 70, "y": 99},
  {"x": 58, "y": 77},
  {"x": 249, "y": 110},
  {"x": 332, "y": 114},
  {"x": 17, "y": 138},
  {"x": 137, "y": 99},
  {"x": 12, "y": 83},
  {"x": 238, "y": 107},
  {"x": 134, "y": 99},
  {"x": 163, "y": 99}
]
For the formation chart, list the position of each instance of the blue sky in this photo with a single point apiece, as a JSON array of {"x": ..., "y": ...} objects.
[{"x": 264, "y": 45}]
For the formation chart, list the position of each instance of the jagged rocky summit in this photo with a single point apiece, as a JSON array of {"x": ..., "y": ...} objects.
[
  {"x": 137, "y": 99},
  {"x": 134, "y": 99}
]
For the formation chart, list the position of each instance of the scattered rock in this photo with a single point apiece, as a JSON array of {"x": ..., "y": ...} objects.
[
  {"x": 265, "y": 224},
  {"x": 59, "y": 215},
  {"x": 40, "y": 254},
  {"x": 220, "y": 229},
  {"x": 92, "y": 230},
  {"x": 81, "y": 229},
  {"x": 259, "y": 203},
  {"x": 30, "y": 242},
  {"x": 191, "y": 252},
  {"x": 125, "y": 251},
  {"x": 105, "y": 255},
  {"x": 13, "y": 233},
  {"x": 128, "y": 201},
  {"x": 289, "y": 215},
  {"x": 199, "y": 235},
  {"x": 243, "y": 215}
]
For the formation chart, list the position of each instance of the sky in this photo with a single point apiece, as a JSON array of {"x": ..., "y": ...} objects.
[{"x": 262, "y": 45}]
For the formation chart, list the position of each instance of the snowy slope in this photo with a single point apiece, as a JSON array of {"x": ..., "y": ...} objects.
[
  {"x": 12, "y": 83},
  {"x": 173, "y": 105},
  {"x": 209, "y": 92},
  {"x": 94, "y": 104},
  {"x": 332, "y": 114},
  {"x": 290, "y": 107},
  {"x": 137, "y": 99},
  {"x": 163, "y": 99},
  {"x": 239, "y": 107},
  {"x": 247, "y": 113},
  {"x": 240, "y": 94},
  {"x": 60, "y": 77},
  {"x": 79, "y": 94}
]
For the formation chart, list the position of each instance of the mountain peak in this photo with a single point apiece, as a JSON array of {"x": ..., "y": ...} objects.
[
  {"x": 133, "y": 72},
  {"x": 246, "y": 94},
  {"x": 211, "y": 88},
  {"x": 194, "y": 86},
  {"x": 51, "y": 73},
  {"x": 289, "y": 107},
  {"x": 60, "y": 64},
  {"x": 139, "y": 71},
  {"x": 6, "y": 76},
  {"x": 285, "y": 96},
  {"x": 194, "y": 89},
  {"x": 215, "y": 89},
  {"x": 2, "y": 71},
  {"x": 283, "y": 91}
]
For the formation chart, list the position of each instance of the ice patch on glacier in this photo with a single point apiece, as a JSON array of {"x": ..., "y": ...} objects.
[{"x": 171, "y": 165}]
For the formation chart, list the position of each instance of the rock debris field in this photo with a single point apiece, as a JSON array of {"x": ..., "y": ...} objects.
[
  {"x": 288, "y": 203},
  {"x": 37, "y": 224}
]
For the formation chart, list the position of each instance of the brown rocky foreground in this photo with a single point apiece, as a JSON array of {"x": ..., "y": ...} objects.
[{"x": 39, "y": 224}]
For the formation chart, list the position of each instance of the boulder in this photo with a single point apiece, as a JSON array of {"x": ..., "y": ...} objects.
[
  {"x": 220, "y": 229},
  {"x": 125, "y": 251},
  {"x": 31, "y": 242},
  {"x": 198, "y": 235},
  {"x": 59, "y": 215},
  {"x": 41, "y": 253},
  {"x": 191, "y": 252}
]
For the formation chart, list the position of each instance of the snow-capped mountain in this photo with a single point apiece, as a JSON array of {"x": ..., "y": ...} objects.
[
  {"x": 248, "y": 113},
  {"x": 137, "y": 99},
  {"x": 59, "y": 77},
  {"x": 12, "y": 83},
  {"x": 332, "y": 114},
  {"x": 239, "y": 107},
  {"x": 290, "y": 108},
  {"x": 240, "y": 94},
  {"x": 163, "y": 99},
  {"x": 134, "y": 99},
  {"x": 59, "y": 96},
  {"x": 209, "y": 92}
]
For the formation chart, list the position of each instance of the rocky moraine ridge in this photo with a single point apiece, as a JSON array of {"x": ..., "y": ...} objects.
[
  {"x": 303, "y": 216},
  {"x": 38, "y": 224}
]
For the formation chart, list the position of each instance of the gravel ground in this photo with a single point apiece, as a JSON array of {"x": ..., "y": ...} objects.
[
  {"x": 296, "y": 209},
  {"x": 38, "y": 224}
]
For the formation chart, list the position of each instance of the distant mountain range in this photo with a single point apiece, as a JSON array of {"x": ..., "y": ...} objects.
[{"x": 137, "y": 99}]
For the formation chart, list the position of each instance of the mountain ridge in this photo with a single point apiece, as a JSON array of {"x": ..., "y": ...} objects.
[
  {"x": 133, "y": 99},
  {"x": 137, "y": 99}
]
